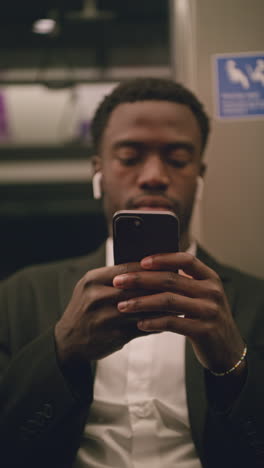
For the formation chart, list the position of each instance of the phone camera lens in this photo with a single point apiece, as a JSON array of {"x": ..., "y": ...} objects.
[{"x": 137, "y": 223}]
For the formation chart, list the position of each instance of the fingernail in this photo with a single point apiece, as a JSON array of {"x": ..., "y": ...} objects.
[
  {"x": 119, "y": 280},
  {"x": 142, "y": 325},
  {"x": 147, "y": 262},
  {"x": 122, "y": 306}
]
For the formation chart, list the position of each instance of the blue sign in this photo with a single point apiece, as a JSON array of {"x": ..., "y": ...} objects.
[{"x": 240, "y": 85}]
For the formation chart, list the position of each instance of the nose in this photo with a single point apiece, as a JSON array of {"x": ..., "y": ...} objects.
[{"x": 153, "y": 174}]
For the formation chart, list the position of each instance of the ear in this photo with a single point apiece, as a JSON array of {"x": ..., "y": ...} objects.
[
  {"x": 96, "y": 163},
  {"x": 202, "y": 171},
  {"x": 97, "y": 177}
]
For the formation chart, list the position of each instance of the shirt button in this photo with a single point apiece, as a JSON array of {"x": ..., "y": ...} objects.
[{"x": 142, "y": 410}]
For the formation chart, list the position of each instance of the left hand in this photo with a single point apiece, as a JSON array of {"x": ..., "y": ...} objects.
[{"x": 194, "y": 305}]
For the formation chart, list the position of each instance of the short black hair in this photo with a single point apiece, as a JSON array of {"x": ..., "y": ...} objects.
[{"x": 146, "y": 89}]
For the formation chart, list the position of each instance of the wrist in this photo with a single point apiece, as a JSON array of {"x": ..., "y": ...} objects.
[
  {"x": 236, "y": 369},
  {"x": 223, "y": 391}
]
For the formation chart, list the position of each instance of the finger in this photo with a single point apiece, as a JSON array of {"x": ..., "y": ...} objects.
[
  {"x": 180, "y": 260},
  {"x": 163, "y": 281},
  {"x": 182, "y": 325},
  {"x": 100, "y": 295},
  {"x": 105, "y": 275},
  {"x": 174, "y": 304}
]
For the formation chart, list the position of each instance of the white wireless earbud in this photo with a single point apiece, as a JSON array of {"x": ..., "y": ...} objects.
[
  {"x": 199, "y": 189},
  {"x": 96, "y": 182}
]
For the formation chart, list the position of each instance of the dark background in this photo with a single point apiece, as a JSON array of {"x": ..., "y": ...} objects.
[{"x": 50, "y": 221}]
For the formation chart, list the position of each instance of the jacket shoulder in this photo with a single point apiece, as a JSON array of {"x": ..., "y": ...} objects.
[
  {"x": 53, "y": 270},
  {"x": 229, "y": 273}
]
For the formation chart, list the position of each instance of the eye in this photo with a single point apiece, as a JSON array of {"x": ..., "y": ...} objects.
[
  {"x": 179, "y": 163},
  {"x": 179, "y": 158},
  {"x": 128, "y": 156}
]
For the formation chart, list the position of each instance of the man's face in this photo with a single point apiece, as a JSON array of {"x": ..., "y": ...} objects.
[{"x": 150, "y": 158}]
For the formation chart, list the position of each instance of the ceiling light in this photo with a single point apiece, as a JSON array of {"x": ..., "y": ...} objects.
[{"x": 44, "y": 26}]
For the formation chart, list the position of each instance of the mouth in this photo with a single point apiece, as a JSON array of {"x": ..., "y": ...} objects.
[{"x": 153, "y": 203}]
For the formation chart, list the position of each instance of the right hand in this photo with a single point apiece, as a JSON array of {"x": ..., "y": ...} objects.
[{"x": 91, "y": 327}]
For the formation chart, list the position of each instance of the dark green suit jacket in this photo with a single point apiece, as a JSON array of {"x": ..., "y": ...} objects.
[{"x": 42, "y": 417}]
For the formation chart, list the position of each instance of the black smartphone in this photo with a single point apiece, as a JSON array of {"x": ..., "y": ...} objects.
[{"x": 137, "y": 234}]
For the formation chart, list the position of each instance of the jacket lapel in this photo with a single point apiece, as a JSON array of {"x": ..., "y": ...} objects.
[{"x": 195, "y": 383}]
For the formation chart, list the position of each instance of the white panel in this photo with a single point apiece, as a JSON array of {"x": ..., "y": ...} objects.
[
  {"x": 45, "y": 172},
  {"x": 38, "y": 115},
  {"x": 233, "y": 221}
]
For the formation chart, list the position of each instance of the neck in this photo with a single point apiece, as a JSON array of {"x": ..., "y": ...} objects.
[{"x": 185, "y": 241}]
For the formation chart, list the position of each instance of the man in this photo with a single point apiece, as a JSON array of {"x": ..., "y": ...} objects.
[{"x": 184, "y": 389}]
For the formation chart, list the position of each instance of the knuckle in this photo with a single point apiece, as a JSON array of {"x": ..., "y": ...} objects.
[
  {"x": 125, "y": 268},
  {"x": 136, "y": 279},
  {"x": 137, "y": 305},
  {"x": 170, "y": 279},
  {"x": 215, "y": 277},
  {"x": 216, "y": 292},
  {"x": 190, "y": 259},
  {"x": 84, "y": 282},
  {"x": 213, "y": 310},
  {"x": 79, "y": 284},
  {"x": 168, "y": 323},
  {"x": 93, "y": 295},
  {"x": 87, "y": 278},
  {"x": 78, "y": 288},
  {"x": 88, "y": 292},
  {"x": 169, "y": 301},
  {"x": 209, "y": 309},
  {"x": 206, "y": 331}
]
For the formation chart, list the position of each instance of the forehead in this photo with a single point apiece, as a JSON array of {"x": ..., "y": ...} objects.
[{"x": 155, "y": 120}]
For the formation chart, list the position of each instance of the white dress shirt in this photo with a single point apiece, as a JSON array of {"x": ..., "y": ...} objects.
[{"x": 139, "y": 416}]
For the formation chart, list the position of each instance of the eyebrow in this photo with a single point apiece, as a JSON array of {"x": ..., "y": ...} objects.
[
  {"x": 180, "y": 145},
  {"x": 132, "y": 143},
  {"x": 167, "y": 146}
]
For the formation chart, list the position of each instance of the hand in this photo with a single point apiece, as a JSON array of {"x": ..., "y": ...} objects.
[
  {"x": 91, "y": 326},
  {"x": 194, "y": 306}
]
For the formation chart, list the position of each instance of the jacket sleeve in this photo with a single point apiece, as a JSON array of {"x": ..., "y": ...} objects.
[
  {"x": 243, "y": 422},
  {"x": 41, "y": 416}
]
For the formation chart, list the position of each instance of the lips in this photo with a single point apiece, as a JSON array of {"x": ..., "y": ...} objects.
[{"x": 152, "y": 203}]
